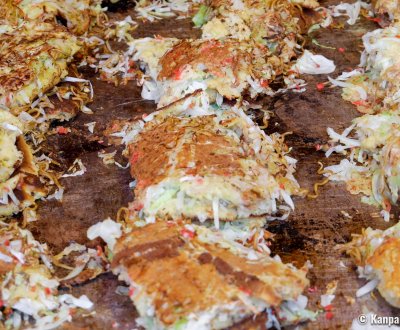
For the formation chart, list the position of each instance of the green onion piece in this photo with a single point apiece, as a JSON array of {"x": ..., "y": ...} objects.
[{"x": 202, "y": 16}]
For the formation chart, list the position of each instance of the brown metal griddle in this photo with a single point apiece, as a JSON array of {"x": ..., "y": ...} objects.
[{"x": 311, "y": 232}]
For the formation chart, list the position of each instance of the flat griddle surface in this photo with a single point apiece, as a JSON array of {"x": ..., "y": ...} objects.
[{"x": 311, "y": 232}]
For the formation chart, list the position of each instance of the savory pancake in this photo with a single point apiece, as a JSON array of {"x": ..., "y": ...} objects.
[
  {"x": 230, "y": 67},
  {"x": 375, "y": 87},
  {"x": 28, "y": 289},
  {"x": 62, "y": 102},
  {"x": 198, "y": 161},
  {"x": 374, "y": 166},
  {"x": 377, "y": 255},
  {"x": 33, "y": 59},
  {"x": 187, "y": 276},
  {"x": 261, "y": 21},
  {"x": 77, "y": 14},
  {"x": 19, "y": 182},
  {"x": 374, "y": 140}
]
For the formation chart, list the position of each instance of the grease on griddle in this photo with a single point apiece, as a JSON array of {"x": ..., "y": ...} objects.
[{"x": 289, "y": 240}]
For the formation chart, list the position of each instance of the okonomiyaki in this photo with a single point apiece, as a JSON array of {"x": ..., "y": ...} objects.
[
  {"x": 189, "y": 277},
  {"x": 200, "y": 161},
  {"x": 33, "y": 59},
  {"x": 28, "y": 287},
  {"x": 230, "y": 67},
  {"x": 375, "y": 86},
  {"x": 376, "y": 254},
  {"x": 19, "y": 182},
  {"x": 265, "y": 22},
  {"x": 77, "y": 14}
]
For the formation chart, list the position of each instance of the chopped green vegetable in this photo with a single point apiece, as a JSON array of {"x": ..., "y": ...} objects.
[
  {"x": 313, "y": 28},
  {"x": 179, "y": 325},
  {"x": 109, "y": 254},
  {"x": 202, "y": 16},
  {"x": 315, "y": 42}
]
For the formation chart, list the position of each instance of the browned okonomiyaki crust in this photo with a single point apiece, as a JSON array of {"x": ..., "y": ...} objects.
[
  {"x": 189, "y": 141},
  {"x": 186, "y": 275},
  {"x": 214, "y": 54},
  {"x": 386, "y": 264}
]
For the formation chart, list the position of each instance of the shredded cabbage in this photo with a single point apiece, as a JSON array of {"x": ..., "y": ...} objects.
[
  {"x": 313, "y": 64},
  {"x": 108, "y": 230}
]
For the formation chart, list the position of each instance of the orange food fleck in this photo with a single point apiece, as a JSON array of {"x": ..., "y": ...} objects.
[
  {"x": 187, "y": 233},
  {"x": 359, "y": 103},
  {"x": 177, "y": 74},
  {"x": 99, "y": 250},
  {"x": 138, "y": 206},
  {"x": 47, "y": 291},
  {"x": 388, "y": 206},
  {"x": 245, "y": 290},
  {"x": 341, "y": 49},
  {"x": 320, "y": 86},
  {"x": 375, "y": 19},
  {"x": 134, "y": 157},
  {"x": 199, "y": 180},
  {"x": 62, "y": 130},
  {"x": 312, "y": 289},
  {"x": 329, "y": 316},
  {"x": 264, "y": 83},
  {"x": 228, "y": 60}
]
